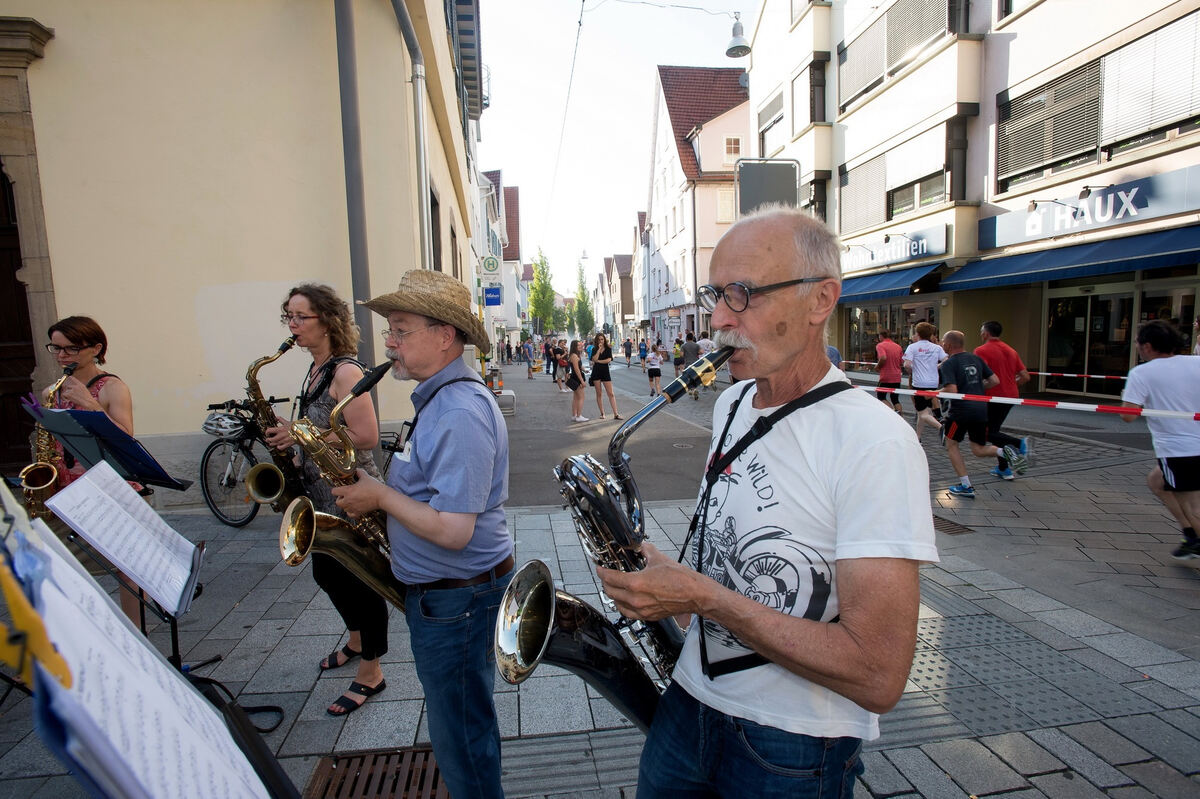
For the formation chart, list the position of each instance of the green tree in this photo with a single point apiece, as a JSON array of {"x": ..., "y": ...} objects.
[
  {"x": 584, "y": 317},
  {"x": 541, "y": 295},
  {"x": 560, "y": 320}
]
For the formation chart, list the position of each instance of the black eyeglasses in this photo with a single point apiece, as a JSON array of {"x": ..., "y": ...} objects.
[
  {"x": 54, "y": 349},
  {"x": 294, "y": 318},
  {"x": 737, "y": 295}
]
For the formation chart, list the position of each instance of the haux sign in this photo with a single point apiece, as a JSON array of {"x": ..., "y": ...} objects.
[
  {"x": 1154, "y": 196},
  {"x": 896, "y": 248}
]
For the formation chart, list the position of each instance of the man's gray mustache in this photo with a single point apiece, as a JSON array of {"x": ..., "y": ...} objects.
[{"x": 729, "y": 338}]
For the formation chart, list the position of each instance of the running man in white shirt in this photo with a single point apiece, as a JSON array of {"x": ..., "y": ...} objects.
[{"x": 921, "y": 360}]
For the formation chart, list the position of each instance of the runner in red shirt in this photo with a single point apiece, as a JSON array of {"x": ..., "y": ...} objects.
[
  {"x": 1006, "y": 363},
  {"x": 891, "y": 357}
]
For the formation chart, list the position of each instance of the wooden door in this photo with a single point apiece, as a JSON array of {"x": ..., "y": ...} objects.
[{"x": 16, "y": 342}]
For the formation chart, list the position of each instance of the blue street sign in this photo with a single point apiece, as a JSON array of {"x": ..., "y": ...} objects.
[{"x": 491, "y": 295}]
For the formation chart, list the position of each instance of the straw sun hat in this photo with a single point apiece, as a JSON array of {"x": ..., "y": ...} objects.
[{"x": 438, "y": 296}]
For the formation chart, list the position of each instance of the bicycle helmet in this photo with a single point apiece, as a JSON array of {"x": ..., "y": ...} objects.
[{"x": 224, "y": 425}]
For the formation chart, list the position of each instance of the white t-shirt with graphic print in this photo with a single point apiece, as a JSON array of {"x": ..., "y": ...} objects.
[{"x": 842, "y": 479}]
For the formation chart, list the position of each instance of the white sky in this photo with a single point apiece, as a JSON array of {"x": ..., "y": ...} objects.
[{"x": 603, "y": 171}]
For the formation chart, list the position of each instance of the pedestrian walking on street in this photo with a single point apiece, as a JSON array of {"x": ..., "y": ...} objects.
[
  {"x": 1006, "y": 363},
  {"x": 574, "y": 382},
  {"x": 964, "y": 373},
  {"x": 628, "y": 351},
  {"x": 677, "y": 355},
  {"x": 561, "y": 365},
  {"x": 527, "y": 351},
  {"x": 653, "y": 366},
  {"x": 890, "y": 357},
  {"x": 921, "y": 359},
  {"x": 781, "y": 677},
  {"x": 1167, "y": 381},
  {"x": 602, "y": 358},
  {"x": 642, "y": 353},
  {"x": 548, "y": 354},
  {"x": 691, "y": 354}
]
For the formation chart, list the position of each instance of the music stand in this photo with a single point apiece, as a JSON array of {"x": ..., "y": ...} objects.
[{"x": 91, "y": 438}]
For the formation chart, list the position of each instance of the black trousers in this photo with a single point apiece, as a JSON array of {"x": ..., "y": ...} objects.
[
  {"x": 361, "y": 608},
  {"x": 997, "y": 413}
]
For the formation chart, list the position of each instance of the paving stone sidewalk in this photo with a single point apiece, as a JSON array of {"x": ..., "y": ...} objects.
[{"x": 1056, "y": 657}]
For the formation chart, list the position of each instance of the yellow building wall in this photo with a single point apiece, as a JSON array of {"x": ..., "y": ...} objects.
[{"x": 191, "y": 167}]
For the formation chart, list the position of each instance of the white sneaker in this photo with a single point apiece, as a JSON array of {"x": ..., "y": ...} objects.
[
  {"x": 564, "y": 391},
  {"x": 580, "y": 418}
]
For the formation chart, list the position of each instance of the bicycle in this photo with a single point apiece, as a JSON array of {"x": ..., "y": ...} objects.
[{"x": 239, "y": 445}]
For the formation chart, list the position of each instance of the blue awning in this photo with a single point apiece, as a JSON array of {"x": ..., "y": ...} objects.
[
  {"x": 1177, "y": 247},
  {"x": 893, "y": 283}
]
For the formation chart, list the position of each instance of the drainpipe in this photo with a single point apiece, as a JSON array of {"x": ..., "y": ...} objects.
[
  {"x": 695, "y": 266},
  {"x": 356, "y": 217},
  {"x": 418, "y": 82}
]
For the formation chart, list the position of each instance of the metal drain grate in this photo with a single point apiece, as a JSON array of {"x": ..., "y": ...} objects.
[
  {"x": 402, "y": 773},
  {"x": 948, "y": 527}
]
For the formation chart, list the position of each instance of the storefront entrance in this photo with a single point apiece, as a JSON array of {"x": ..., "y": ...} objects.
[
  {"x": 1092, "y": 329},
  {"x": 863, "y": 323}
]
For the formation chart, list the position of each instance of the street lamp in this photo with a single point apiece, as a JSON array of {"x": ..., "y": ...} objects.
[{"x": 738, "y": 46}]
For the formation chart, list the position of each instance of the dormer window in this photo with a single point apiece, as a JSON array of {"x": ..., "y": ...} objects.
[{"x": 733, "y": 149}]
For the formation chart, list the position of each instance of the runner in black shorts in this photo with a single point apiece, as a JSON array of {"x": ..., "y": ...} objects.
[{"x": 964, "y": 373}]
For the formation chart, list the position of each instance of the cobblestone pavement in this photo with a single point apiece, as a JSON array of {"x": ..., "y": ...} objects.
[{"x": 1057, "y": 652}]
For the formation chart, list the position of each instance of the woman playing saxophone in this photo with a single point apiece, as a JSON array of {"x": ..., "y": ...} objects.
[
  {"x": 322, "y": 324},
  {"x": 79, "y": 341}
]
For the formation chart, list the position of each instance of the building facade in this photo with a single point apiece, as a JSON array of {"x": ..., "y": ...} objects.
[
  {"x": 1017, "y": 161},
  {"x": 699, "y": 129},
  {"x": 174, "y": 169}
]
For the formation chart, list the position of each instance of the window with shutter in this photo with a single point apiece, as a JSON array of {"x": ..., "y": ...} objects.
[
  {"x": 1056, "y": 122},
  {"x": 1152, "y": 82},
  {"x": 862, "y": 197},
  {"x": 892, "y": 41}
]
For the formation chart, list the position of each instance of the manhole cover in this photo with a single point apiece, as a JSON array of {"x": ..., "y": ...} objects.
[{"x": 683, "y": 446}]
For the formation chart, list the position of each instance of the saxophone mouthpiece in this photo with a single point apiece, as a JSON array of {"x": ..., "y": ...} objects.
[
  {"x": 287, "y": 344},
  {"x": 702, "y": 372},
  {"x": 69, "y": 369},
  {"x": 371, "y": 378}
]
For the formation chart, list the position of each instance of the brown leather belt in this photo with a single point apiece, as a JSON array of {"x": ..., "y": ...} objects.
[{"x": 499, "y": 570}]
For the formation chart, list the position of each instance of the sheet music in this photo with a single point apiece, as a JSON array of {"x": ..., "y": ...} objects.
[
  {"x": 129, "y": 714},
  {"x": 102, "y": 508}
]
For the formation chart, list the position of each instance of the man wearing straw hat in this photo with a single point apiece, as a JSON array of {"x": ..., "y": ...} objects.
[{"x": 444, "y": 499}]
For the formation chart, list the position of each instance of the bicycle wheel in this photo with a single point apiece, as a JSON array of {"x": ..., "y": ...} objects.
[{"x": 223, "y": 481}]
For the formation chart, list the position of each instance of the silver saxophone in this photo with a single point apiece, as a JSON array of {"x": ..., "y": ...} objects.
[{"x": 539, "y": 623}]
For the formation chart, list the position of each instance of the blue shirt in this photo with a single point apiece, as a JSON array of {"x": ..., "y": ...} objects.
[{"x": 458, "y": 462}]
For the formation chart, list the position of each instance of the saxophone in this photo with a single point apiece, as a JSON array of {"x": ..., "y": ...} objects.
[
  {"x": 360, "y": 545},
  {"x": 538, "y": 623},
  {"x": 38, "y": 479},
  {"x": 276, "y": 483}
]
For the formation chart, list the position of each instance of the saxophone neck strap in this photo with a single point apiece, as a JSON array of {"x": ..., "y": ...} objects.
[
  {"x": 763, "y": 425},
  {"x": 408, "y": 428},
  {"x": 311, "y": 389},
  {"x": 720, "y": 462}
]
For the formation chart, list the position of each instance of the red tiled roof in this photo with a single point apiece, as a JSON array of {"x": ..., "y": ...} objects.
[
  {"x": 493, "y": 176},
  {"x": 608, "y": 265},
  {"x": 624, "y": 264},
  {"x": 694, "y": 95},
  {"x": 527, "y": 273},
  {"x": 512, "y": 222}
]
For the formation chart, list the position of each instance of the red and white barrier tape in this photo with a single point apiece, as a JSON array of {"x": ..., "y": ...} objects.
[
  {"x": 1047, "y": 374},
  {"x": 1067, "y": 374},
  {"x": 1066, "y": 406}
]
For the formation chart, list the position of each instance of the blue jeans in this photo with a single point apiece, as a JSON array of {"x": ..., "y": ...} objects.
[
  {"x": 695, "y": 751},
  {"x": 452, "y": 632}
]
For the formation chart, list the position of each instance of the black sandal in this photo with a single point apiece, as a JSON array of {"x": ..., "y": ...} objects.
[
  {"x": 348, "y": 705},
  {"x": 331, "y": 662}
]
